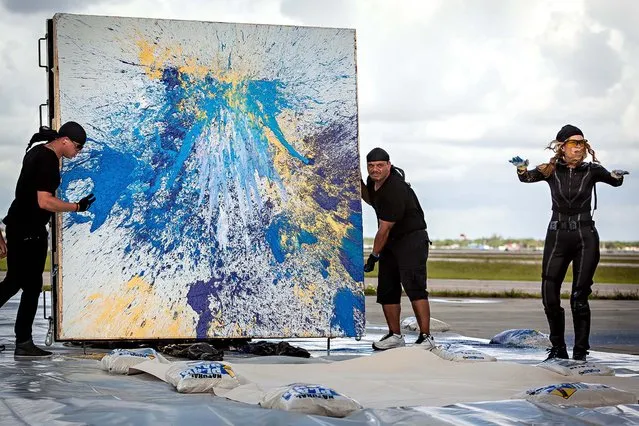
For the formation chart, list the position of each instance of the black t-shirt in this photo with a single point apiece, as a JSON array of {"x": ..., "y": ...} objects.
[
  {"x": 40, "y": 172},
  {"x": 395, "y": 201}
]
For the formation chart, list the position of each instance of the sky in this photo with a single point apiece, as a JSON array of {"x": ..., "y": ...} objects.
[{"x": 452, "y": 89}]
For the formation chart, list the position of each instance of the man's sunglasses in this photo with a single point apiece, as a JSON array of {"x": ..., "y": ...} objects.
[{"x": 77, "y": 146}]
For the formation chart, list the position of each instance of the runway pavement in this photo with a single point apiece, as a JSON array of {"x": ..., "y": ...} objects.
[{"x": 614, "y": 322}]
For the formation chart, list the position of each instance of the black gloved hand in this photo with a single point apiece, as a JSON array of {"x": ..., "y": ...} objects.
[
  {"x": 85, "y": 203},
  {"x": 370, "y": 263}
]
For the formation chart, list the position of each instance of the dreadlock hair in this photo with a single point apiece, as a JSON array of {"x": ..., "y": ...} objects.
[
  {"x": 398, "y": 172},
  {"x": 44, "y": 134},
  {"x": 546, "y": 169}
]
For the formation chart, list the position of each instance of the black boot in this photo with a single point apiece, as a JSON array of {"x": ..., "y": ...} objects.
[
  {"x": 557, "y": 325},
  {"x": 557, "y": 352},
  {"x": 28, "y": 349},
  {"x": 579, "y": 354},
  {"x": 581, "y": 322}
]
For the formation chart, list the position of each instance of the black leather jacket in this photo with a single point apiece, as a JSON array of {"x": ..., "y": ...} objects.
[{"x": 571, "y": 188}]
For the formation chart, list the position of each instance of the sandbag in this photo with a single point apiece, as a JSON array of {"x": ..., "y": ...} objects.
[
  {"x": 436, "y": 326},
  {"x": 310, "y": 399},
  {"x": 201, "y": 376},
  {"x": 521, "y": 338},
  {"x": 460, "y": 353},
  {"x": 579, "y": 394},
  {"x": 568, "y": 367},
  {"x": 118, "y": 361}
]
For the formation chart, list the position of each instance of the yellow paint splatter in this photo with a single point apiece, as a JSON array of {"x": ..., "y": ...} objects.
[
  {"x": 134, "y": 312},
  {"x": 305, "y": 295}
]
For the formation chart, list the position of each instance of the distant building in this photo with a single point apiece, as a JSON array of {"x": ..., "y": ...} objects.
[{"x": 510, "y": 247}]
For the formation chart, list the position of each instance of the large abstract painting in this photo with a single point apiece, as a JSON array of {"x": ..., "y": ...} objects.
[{"x": 224, "y": 159}]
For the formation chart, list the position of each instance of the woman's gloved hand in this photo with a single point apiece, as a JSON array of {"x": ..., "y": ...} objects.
[{"x": 519, "y": 162}]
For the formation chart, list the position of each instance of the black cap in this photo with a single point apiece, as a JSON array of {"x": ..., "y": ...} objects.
[
  {"x": 567, "y": 131},
  {"x": 377, "y": 154},
  {"x": 73, "y": 131}
]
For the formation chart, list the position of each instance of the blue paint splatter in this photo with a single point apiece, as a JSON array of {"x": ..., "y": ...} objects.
[
  {"x": 152, "y": 171},
  {"x": 324, "y": 267},
  {"x": 305, "y": 237},
  {"x": 123, "y": 177},
  {"x": 281, "y": 226},
  {"x": 198, "y": 299},
  {"x": 341, "y": 167},
  {"x": 325, "y": 201},
  {"x": 346, "y": 303},
  {"x": 351, "y": 252},
  {"x": 272, "y": 235}
]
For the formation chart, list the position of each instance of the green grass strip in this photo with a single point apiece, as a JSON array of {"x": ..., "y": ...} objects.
[
  {"x": 501, "y": 271},
  {"x": 508, "y": 271}
]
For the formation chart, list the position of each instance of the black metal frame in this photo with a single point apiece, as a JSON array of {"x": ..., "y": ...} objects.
[{"x": 50, "y": 106}]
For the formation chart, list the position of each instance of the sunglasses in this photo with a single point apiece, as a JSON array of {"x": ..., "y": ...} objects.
[
  {"x": 571, "y": 143},
  {"x": 76, "y": 145}
]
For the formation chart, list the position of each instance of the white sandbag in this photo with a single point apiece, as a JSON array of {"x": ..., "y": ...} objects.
[
  {"x": 568, "y": 367},
  {"x": 118, "y": 361},
  {"x": 586, "y": 395},
  {"x": 310, "y": 399},
  {"x": 460, "y": 353},
  {"x": 201, "y": 376},
  {"x": 521, "y": 338},
  {"x": 436, "y": 326}
]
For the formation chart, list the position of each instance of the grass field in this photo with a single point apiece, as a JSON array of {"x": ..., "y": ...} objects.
[
  {"x": 522, "y": 272},
  {"x": 609, "y": 258},
  {"x": 613, "y": 268},
  {"x": 518, "y": 272}
]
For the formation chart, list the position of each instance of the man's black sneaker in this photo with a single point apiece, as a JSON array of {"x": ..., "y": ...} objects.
[
  {"x": 28, "y": 349},
  {"x": 426, "y": 341},
  {"x": 1, "y": 348},
  {"x": 557, "y": 352},
  {"x": 579, "y": 355}
]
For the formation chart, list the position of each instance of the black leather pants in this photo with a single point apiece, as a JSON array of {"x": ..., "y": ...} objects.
[{"x": 581, "y": 247}]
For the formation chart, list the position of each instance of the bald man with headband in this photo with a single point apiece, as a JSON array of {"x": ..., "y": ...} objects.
[{"x": 400, "y": 247}]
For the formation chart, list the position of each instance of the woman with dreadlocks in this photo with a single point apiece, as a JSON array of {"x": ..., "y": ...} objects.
[
  {"x": 31, "y": 210},
  {"x": 572, "y": 236}
]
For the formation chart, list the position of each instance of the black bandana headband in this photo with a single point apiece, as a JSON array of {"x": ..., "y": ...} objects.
[{"x": 377, "y": 154}]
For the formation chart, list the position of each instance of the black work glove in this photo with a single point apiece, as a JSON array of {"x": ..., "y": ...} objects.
[
  {"x": 370, "y": 263},
  {"x": 85, "y": 203}
]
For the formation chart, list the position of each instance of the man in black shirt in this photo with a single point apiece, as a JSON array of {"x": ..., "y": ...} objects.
[
  {"x": 27, "y": 237},
  {"x": 571, "y": 236},
  {"x": 400, "y": 246}
]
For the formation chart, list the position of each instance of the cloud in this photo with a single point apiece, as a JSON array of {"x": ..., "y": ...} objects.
[
  {"x": 452, "y": 89},
  {"x": 33, "y": 6},
  {"x": 619, "y": 15},
  {"x": 336, "y": 13},
  {"x": 590, "y": 68}
]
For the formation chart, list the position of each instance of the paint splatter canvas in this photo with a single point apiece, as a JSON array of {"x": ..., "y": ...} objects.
[{"x": 224, "y": 159}]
